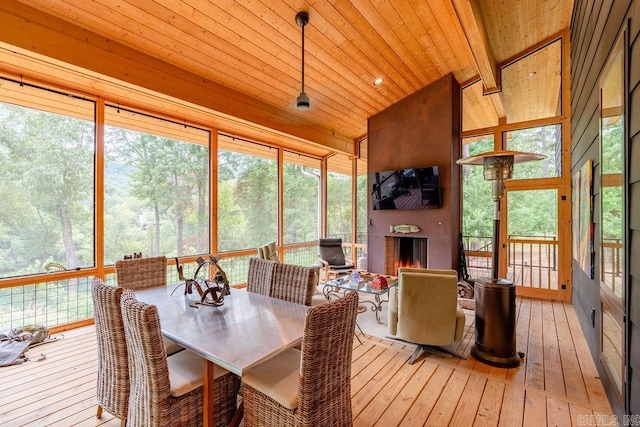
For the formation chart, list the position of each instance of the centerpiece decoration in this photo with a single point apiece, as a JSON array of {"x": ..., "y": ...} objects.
[{"x": 211, "y": 291}]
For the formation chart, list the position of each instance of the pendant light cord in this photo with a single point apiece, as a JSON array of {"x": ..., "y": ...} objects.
[
  {"x": 302, "y": 102},
  {"x": 303, "y": 57}
]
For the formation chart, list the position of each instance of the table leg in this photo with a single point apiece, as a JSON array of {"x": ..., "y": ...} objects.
[
  {"x": 378, "y": 307},
  {"x": 207, "y": 415}
]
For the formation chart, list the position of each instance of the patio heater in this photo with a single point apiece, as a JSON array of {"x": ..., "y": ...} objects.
[{"x": 496, "y": 298}]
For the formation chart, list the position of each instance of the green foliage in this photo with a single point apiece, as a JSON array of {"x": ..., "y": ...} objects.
[
  {"x": 612, "y": 167},
  {"x": 247, "y": 193},
  {"x": 477, "y": 205},
  {"x": 545, "y": 140},
  {"x": 533, "y": 213},
  {"x": 612, "y": 147},
  {"x": 361, "y": 209},
  {"x": 339, "y": 206},
  {"x": 156, "y": 195},
  {"x": 301, "y": 190},
  {"x": 46, "y": 181},
  {"x": 530, "y": 213}
]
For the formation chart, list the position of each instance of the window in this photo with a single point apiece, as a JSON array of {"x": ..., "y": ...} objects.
[
  {"x": 156, "y": 187},
  {"x": 301, "y": 198},
  {"x": 361, "y": 201},
  {"x": 47, "y": 153},
  {"x": 531, "y": 85},
  {"x": 247, "y": 194},
  {"x": 339, "y": 199},
  {"x": 613, "y": 208},
  {"x": 477, "y": 206},
  {"x": 522, "y": 220},
  {"x": 478, "y": 111},
  {"x": 532, "y": 238},
  {"x": 545, "y": 140}
]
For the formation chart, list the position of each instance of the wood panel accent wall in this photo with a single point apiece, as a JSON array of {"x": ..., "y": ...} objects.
[
  {"x": 421, "y": 130},
  {"x": 594, "y": 30}
]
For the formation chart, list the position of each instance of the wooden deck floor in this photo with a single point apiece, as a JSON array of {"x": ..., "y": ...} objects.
[{"x": 555, "y": 384}]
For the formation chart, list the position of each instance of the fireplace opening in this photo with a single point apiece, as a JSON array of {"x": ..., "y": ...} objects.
[{"x": 410, "y": 252}]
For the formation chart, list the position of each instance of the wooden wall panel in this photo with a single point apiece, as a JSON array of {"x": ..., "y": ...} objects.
[{"x": 595, "y": 28}]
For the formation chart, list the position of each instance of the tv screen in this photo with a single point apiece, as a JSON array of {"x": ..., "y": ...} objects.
[{"x": 415, "y": 188}]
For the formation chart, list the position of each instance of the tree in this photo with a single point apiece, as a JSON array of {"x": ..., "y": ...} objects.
[
  {"x": 301, "y": 188},
  {"x": 169, "y": 178},
  {"x": 248, "y": 192},
  {"x": 48, "y": 169},
  {"x": 339, "y": 205}
]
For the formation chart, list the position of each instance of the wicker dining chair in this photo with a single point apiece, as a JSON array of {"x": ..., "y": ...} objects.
[
  {"x": 168, "y": 391},
  {"x": 143, "y": 273},
  {"x": 259, "y": 275},
  {"x": 311, "y": 387},
  {"x": 293, "y": 283},
  {"x": 112, "y": 391}
]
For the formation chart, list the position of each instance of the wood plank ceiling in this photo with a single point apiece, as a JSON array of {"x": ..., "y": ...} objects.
[{"x": 252, "y": 48}]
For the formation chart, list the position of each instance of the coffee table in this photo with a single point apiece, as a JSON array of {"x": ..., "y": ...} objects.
[{"x": 341, "y": 285}]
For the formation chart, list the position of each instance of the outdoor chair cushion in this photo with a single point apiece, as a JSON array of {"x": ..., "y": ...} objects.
[
  {"x": 278, "y": 378},
  {"x": 331, "y": 251},
  {"x": 185, "y": 372}
]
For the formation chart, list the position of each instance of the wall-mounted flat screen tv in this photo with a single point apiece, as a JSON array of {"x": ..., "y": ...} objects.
[{"x": 415, "y": 188}]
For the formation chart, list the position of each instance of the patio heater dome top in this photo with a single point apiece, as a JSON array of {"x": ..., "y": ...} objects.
[
  {"x": 498, "y": 165},
  {"x": 518, "y": 157}
]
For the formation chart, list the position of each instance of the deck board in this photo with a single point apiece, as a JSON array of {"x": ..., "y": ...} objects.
[
  {"x": 556, "y": 382},
  {"x": 488, "y": 413}
]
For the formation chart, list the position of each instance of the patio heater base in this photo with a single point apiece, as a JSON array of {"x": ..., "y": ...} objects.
[{"x": 495, "y": 323}]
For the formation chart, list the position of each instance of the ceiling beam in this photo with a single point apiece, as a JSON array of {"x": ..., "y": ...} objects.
[
  {"x": 470, "y": 19},
  {"x": 41, "y": 33}
]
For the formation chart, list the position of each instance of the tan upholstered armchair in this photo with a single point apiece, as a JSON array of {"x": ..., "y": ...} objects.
[
  {"x": 424, "y": 309},
  {"x": 269, "y": 251}
]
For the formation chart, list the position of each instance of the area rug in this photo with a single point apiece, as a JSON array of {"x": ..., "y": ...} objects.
[{"x": 467, "y": 304}]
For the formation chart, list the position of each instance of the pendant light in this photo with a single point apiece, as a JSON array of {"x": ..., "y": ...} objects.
[{"x": 302, "y": 19}]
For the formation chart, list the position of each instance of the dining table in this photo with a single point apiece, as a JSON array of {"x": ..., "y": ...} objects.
[{"x": 246, "y": 330}]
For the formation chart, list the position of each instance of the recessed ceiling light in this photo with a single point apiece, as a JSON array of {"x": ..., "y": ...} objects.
[
  {"x": 378, "y": 81},
  {"x": 531, "y": 74}
]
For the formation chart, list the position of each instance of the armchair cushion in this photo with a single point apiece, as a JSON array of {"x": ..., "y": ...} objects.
[
  {"x": 393, "y": 310},
  {"x": 331, "y": 251}
]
